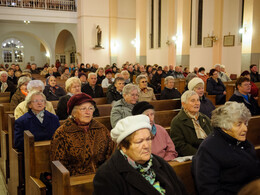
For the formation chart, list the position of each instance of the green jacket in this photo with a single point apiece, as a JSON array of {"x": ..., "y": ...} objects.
[{"x": 183, "y": 133}]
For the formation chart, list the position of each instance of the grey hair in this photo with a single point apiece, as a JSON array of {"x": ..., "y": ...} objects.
[
  {"x": 217, "y": 65},
  {"x": 28, "y": 98},
  {"x": 35, "y": 83},
  {"x": 92, "y": 74},
  {"x": 23, "y": 80},
  {"x": 3, "y": 72},
  {"x": 129, "y": 88},
  {"x": 118, "y": 75},
  {"x": 186, "y": 95},
  {"x": 70, "y": 81},
  {"x": 222, "y": 66},
  {"x": 167, "y": 79},
  {"x": 229, "y": 113},
  {"x": 140, "y": 77},
  {"x": 189, "y": 77}
]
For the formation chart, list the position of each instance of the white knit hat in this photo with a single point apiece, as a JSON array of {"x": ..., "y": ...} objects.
[
  {"x": 195, "y": 81},
  {"x": 129, "y": 125}
]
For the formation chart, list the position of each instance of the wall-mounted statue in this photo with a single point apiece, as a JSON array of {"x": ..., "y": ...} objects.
[{"x": 99, "y": 36}]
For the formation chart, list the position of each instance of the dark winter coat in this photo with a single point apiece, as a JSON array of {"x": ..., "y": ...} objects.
[
  {"x": 118, "y": 177},
  {"x": 206, "y": 106},
  {"x": 222, "y": 165},
  {"x": 96, "y": 93},
  {"x": 50, "y": 96},
  {"x": 113, "y": 95},
  {"x": 216, "y": 88},
  {"x": 170, "y": 93}
]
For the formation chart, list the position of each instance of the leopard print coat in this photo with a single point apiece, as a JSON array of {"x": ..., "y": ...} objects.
[{"x": 79, "y": 151}]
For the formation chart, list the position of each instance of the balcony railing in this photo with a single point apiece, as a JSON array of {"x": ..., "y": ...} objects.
[{"x": 59, "y": 5}]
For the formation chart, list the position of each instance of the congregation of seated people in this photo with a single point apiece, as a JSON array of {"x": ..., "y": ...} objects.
[{"x": 84, "y": 145}]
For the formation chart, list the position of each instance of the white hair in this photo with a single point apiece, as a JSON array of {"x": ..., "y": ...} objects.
[
  {"x": 167, "y": 79},
  {"x": 186, "y": 95},
  {"x": 3, "y": 72},
  {"x": 92, "y": 74},
  {"x": 34, "y": 84},
  {"x": 129, "y": 88}
]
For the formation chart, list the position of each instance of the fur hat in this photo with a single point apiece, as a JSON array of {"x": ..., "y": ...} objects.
[
  {"x": 108, "y": 71},
  {"x": 78, "y": 99},
  {"x": 140, "y": 107},
  {"x": 129, "y": 125},
  {"x": 195, "y": 81}
]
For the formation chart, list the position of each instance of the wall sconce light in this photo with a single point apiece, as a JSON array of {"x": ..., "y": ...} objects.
[
  {"x": 213, "y": 37},
  {"x": 26, "y": 21},
  {"x": 177, "y": 39},
  {"x": 133, "y": 42}
]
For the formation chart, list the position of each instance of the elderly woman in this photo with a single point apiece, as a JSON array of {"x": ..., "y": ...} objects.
[
  {"x": 52, "y": 91},
  {"x": 39, "y": 121},
  {"x": 66, "y": 74},
  {"x": 126, "y": 76},
  {"x": 123, "y": 107},
  {"x": 169, "y": 92},
  {"x": 162, "y": 144},
  {"x": 216, "y": 87},
  {"x": 81, "y": 144},
  {"x": 206, "y": 106},
  {"x": 145, "y": 93},
  {"x": 34, "y": 85},
  {"x": 226, "y": 161},
  {"x": 73, "y": 87},
  {"x": 132, "y": 169},
  {"x": 21, "y": 92},
  {"x": 190, "y": 127},
  {"x": 115, "y": 92}
]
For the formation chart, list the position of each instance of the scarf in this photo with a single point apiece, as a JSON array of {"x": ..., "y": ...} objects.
[
  {"x": 144, "y": 90},
  {"x": 4, "y": 86},
  {"x": 199, "y": 131},
  {"x": 24, "y": 92},
  {"x": 146, "y": 171},
  {"x": 110, "y": 81},
  {"x": 40, "y": 115}
]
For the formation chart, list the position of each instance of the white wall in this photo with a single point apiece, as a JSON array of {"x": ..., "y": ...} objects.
[{"x": 231, "y": 56}]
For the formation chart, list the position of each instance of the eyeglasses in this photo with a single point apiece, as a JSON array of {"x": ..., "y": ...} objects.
[
  {"x": 134, "y": 95},
  {"x": 143, "y": 81},
  {"x": 83, "y": 109},
  {"x": 36, "y": 101}
]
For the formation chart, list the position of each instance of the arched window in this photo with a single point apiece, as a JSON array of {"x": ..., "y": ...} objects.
[{"x": 12, "y": 51}]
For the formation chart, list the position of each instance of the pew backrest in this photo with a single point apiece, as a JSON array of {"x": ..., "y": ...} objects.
[
  {"x": 171, "y": 104},
  {"x": 5, "y": 97}
]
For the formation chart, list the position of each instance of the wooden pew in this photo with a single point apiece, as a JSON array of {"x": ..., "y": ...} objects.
[
  {"x": 63, "y": 184},
  {"x": 5, "y": 97},
  {"x": 166, "y": 104},
  {"x": 37, "y": 161},
  {"x": 100, "y": 101},
  {"x": 105, "y": 109},
  {"x": 253, "y": 134},
  {"x": 16, "y": 180},
  {"x": 230, "y": 89},
  {"x": 105, "y": 120},
  {"x": 183, "y": 171},
  {"x": 164, "y": 118},
  {"x": 178, "y": 84}
]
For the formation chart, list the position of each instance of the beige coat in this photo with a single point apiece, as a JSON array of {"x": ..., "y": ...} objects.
[
  {"x": 148, "y": 96},
  {"x": 21, "y": 109}
]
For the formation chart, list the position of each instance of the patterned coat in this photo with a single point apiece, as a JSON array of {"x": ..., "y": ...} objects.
[{"x": 79, "y": 151}]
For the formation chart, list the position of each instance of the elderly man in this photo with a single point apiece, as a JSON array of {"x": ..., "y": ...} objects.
[
  {"x": 6, "y": 85},
  {"x": 177, "y": 73},
  {"x": 34, "y": 69},
  {"x": 190, "y": 127},
  {"x": 91, "y": 88},
  {"x": 254, "y": 74},
  {"x": 123, "y": 107},
  {"x": 242, "y": 95},
  {"x": 223, "y": 75}
]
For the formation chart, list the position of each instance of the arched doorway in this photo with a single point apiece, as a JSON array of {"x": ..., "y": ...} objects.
[{"x": 65, "y": 48}]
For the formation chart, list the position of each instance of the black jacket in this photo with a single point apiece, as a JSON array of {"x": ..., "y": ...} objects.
[
  {"x": 222, "y": 165},
  {"x": 170, "y": 93},
  {"x": 206, "y": 106},
  {"x": 254, "y": 77},
  {"x": 100, "y": 79},
  {"x": 62, "y": 108},
  {"x": 216, "y": 88},
  {"x": 11, "y": 88},
  {"x": 14, "y": 80},
  {"x": 50, "y": 96},
  {"x": 252, "y": 104},
  {"x": 156, "y": 81},
  {"x": 117, "y": 176},
  {"x": 96, "y": 93},
  {"x": 113, "y": 95}
]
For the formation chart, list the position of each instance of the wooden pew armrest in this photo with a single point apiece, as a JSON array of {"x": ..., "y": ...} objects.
[{"x": 35, "y": 182}]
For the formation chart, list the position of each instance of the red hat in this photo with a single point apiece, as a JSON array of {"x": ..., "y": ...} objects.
[
  {"x": 108, "y": 71},
  {"x": 79, "y": 99}
]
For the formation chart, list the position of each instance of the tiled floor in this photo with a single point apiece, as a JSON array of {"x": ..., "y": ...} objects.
[{"x": 3, "y": 190}]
